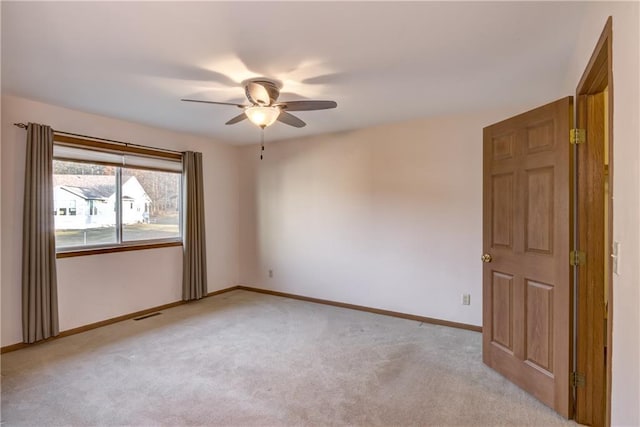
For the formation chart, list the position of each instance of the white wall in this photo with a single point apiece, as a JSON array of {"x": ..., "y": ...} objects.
[
  {"x": 387, "y": 217},
  {"x": 98, "y": 287},
  {"x": 625, "y": 410}
]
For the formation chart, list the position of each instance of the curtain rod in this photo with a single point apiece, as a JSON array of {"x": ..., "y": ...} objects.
[{"x": 126, "y": 144}]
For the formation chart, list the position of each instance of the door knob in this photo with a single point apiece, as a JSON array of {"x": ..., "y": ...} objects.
[{"x": 486, "y": 258}]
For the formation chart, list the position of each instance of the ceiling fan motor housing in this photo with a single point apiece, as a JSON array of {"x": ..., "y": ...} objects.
[{"x": 271, "y": 90}]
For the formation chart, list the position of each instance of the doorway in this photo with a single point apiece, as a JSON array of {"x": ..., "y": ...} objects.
[{"x": 546, "y": 327}]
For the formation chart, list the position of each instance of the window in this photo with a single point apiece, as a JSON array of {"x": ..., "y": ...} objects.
[
  {"x": 108, "y": 198},
  {"x": 161, "y": 194}
]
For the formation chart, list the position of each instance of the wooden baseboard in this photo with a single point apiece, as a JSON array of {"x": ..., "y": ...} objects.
[
  {"x": 223, "y": 291},
  {"x": 95, "y": 325},
  {"x": 106, "y": 322},
  {"x": 367, "y": 309}
]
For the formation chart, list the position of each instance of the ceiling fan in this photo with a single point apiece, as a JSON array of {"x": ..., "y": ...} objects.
[{"x": 264, "y": 108}]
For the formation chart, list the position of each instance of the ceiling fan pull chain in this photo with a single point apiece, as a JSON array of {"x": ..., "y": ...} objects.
[{"x": 261, "y": 142}]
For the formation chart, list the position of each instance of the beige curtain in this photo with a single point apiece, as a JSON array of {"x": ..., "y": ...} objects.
[
  {"x": 39, "y": 286},
  {"x": 194, "y": 262}
]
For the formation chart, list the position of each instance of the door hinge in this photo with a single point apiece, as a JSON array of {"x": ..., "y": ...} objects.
[
  {"x": 577, "y": 258},
  {"x": 578, "y": 379},
  {"x": 577, "y": 136}
]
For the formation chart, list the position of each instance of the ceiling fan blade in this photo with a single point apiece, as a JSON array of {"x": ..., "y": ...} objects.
[
  {"x": 236, "y": 119},
  {"x": 307, "y": 105},
  {"x": 257, "y": 93},
  {"x": 213, "y": 102},
  {"x": 291, "y": 120}
]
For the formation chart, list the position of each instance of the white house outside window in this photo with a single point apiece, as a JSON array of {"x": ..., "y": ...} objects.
[{"x": 112, "y": 198}]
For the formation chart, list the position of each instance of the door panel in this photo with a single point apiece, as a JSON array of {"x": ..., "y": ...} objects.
[
  {"x": 502, "y": 210},
  {"x": 502, "y": 299},
  {"x": 540, "y": 137},
  {"x": 539, "y": 306},
  {"x": 539, "y": 210},
  {"x": 503, "y": 146},
  {"x": 526, "y": 284}
]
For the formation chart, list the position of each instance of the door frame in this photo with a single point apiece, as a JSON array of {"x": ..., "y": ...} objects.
[{"x": 597, "y": 76}]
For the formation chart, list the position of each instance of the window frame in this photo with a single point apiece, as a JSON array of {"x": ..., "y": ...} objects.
[{"x": 120, "y": 148}]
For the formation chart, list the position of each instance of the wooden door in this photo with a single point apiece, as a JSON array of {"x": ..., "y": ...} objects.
[{"x": 526, "y": 239}]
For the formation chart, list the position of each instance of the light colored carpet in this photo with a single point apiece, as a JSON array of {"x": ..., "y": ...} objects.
[{"x": 243, "y": 358}]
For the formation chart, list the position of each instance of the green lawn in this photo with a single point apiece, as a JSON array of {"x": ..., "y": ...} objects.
[{"x": 105, "y": 235}]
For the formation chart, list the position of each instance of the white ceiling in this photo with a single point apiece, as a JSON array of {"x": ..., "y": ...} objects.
[{"x": 381, "y": 61}]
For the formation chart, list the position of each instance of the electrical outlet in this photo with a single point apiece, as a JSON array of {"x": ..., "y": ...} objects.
[
  {"x": 270, "y": 273},
  {"x": 466, "y": 299}
]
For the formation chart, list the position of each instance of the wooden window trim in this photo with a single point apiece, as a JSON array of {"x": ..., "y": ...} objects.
[{"x": 113, "y": 249}]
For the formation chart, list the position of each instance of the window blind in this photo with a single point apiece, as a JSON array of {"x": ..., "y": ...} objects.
[{"x": 115, "y": 158}]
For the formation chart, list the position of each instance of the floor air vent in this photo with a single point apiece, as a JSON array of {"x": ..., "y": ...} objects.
[{"x": 148, "y": 315}]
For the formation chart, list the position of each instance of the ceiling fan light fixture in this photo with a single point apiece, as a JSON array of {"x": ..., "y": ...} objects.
[
  {"x": 264, "y": 108},
  {"x": 262, "y": 116}
]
